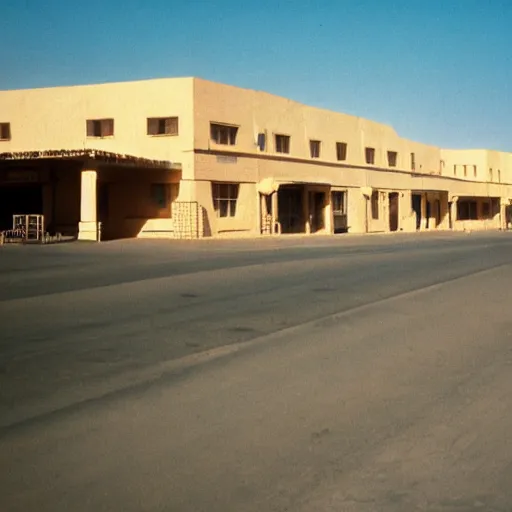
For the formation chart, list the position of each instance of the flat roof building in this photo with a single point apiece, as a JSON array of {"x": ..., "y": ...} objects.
[{"x": 188, "y": 158}]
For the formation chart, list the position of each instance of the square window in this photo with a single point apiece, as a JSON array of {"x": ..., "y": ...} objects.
[
  {"x": 225, "y": 196},
  {"x": 282, "y": 143}
]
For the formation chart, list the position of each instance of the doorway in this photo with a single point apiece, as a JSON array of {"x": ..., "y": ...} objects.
[
  {"x": 19, "y": 199},
  {"x": 316, "y": 211},
  {"x": 416, "y": 208},
  {"x": 290, "y": 209},
  {"x": 393, "y": 211}
]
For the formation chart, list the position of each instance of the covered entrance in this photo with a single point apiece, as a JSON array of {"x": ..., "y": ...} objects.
[
  {"x": 302, "y": 208},
  {"x": 75, "y": 191},
  {"x": 19, "y": 199},
  {"x": 291, "y": 208},
  {"x": 431, "y": 209}
]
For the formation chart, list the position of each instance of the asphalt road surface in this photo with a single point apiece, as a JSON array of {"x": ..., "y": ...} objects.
[{"x": 368, "y": 373}]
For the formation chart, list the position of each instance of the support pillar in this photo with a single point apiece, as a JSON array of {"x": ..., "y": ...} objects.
[
  {"x": 328, "y": 219},
  {"x": 88, "y": 225},
  {"x": 503, "y": 213},
  {"x": 424, "y": 221},
  {"x": 275, "y": 214},
  {"x": 453, "y": 211},
  {"x": 305, "y": 210}
]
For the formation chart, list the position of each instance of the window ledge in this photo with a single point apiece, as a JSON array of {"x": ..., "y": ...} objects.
[
  {"x": 158, "y": 135},
  {"x": 100, "y": 136}
]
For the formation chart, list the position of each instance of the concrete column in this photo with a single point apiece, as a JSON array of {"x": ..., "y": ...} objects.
[
  {"x": 305, "y": 201},
  {"x": 275, "y": 213},
  {"x": 88, "y": 226},
  {"x": 453, "y": 211},
  {"x": 503, "y": 213},
  {"x": 423, "y": 224},
  {"x": 329, "y": 227}
]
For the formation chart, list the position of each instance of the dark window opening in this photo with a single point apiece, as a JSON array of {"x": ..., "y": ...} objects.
[
  {"x": 223, "y": 134},
  {"x": 100, "y": 127},
  {"x": 467, "y": 210},
  {"x": 162, "y": 126},
  {"x": 413, "y": 161},
  {"x": 5, "y": 131},
  {"x": 341, "y": 150},
  {"x": 262, "y": 141},
  {"x": 314, "y": 148},
  {"x": 282, "y": 143},
  {"x": 369, "y": 154},
  {"x": 392, "y": 158},
  {"x": 160, "y": 194},
  {"x": 225, "y": 196}
]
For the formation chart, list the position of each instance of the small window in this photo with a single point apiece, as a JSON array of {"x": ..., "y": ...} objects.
[
  {"x": 392, "y": 157},
  {"x": 499, "y": 176},
  {"x": 369, "y": 154},
  {"x": 314, "y": 148},
  {"x": 441, "y": 166},
  {"x": 282, "y": 143},
  {"x": 339, "y": 202},
  {"x": 341, "y": 150},
  {"x": 262, "y": 141},
  {"x": 160, "y": 194},
  {"x": 490, "y": 174},
  {"x": 455, "y": 169},
  {"x": 223, "y": 134},
  {"x": 162, "y": 126},
  {"x": 474, "y": 171},
  {"x": 5, "y": 131},
  {"x": 413, "y": 161},
  {"x": 465, "y": 170},
  {"x": 225, "y": 196},
  {"x": 100, "y": 127},
  {"x": 375, "y": 205}
]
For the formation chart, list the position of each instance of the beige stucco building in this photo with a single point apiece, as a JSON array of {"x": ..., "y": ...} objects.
[{"x": 187, "y": 158}]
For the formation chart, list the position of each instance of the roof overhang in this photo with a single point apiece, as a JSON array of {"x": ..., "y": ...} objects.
[{"x": 105, "y": 157}]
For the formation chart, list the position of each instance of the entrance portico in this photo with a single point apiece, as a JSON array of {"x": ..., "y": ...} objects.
[{"x": 73, "y": 190}]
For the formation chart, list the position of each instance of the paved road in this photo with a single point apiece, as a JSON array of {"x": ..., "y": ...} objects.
[{"x": 300, "y": 374}]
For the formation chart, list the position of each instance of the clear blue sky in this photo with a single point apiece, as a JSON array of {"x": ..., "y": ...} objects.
[{"x": 439, "y": 71}]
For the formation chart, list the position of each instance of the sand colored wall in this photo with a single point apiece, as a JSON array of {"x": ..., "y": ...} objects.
[
  {"x": 259, "y": 112},
  {"x": 132, "y": 211},
  {"x": 55, "y": 118}
]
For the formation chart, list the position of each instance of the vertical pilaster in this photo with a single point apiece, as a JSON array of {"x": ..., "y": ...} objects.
[{"x": 88, "y": 226}]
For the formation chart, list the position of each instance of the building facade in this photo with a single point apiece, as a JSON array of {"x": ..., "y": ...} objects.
[{"x": 189, "y": 158}]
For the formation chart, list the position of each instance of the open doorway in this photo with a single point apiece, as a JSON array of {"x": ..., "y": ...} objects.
[
  {"x": 317, "y": 211},
  {"x": 19, "y": 199},
  {"x": 291, "y": 210},
  {"x": 393, "y": 211},
  {"x": 416, "y": 208}
]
